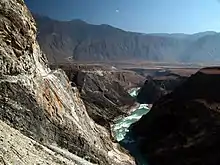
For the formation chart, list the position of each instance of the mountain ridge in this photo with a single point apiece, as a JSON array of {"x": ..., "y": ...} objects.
[
  {"x": 77, "y": 40},
  {"x": 208, "y": 32}
]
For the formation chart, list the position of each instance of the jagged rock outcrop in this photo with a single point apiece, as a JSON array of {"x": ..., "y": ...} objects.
[
  {"x": 103, "y": 90},
  {"x": 156, "y": 87},
  {"x": 183, "y": 127},
  {"x": 41, "y": 103},
  {"x": 150, "y": 92},
  {"x": 104, "y": 98}
]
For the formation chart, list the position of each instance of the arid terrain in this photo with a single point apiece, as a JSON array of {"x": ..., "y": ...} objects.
[
  {"x": 93, "y": 97},
  {"x": 141, "y": 67}
]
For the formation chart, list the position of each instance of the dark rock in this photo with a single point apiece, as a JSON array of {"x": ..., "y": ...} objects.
[
  {"x": 158, "y": 86},
  {"x": 105, "y": 98},
  {"x": 150, "y": 92},
  {"x": 183, "y": 127},
  {"x": 103, "y": 90}
]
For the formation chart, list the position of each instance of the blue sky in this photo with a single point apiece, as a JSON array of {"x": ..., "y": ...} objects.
[{"x": 147, "y": 16}]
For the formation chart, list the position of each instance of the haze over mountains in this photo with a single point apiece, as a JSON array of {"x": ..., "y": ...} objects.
[{"x": 78, "y": 40}]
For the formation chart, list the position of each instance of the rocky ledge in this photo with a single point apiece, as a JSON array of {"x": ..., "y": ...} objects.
[{"x": 183, "y": 127}]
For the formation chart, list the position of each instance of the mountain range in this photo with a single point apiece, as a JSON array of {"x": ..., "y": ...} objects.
[{"x": 80, "y": 41}]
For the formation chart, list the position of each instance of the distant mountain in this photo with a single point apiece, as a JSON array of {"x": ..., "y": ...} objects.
[
  {"x": 197, "y": 36},
  {"x": 78, "y": 40},
  {"x": 82, "y": 41},
  {"x": 205, "y": 49},
  {"x": 191, "y": 37},
  {"x": 172, "y": 35}
]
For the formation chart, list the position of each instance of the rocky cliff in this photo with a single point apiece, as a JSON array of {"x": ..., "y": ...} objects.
[
  {"x": 183, "y": 127},
  {"x": 105, "y": 99},
  {"x": 159, "y": 85},
  {"x": 19, "y": 149},
  {"x": 103, "y": 89},
  {"x": 41, "y": 103}
]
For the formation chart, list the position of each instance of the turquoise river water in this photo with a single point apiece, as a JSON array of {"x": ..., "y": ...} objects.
[{"x": 121, "y": 129}]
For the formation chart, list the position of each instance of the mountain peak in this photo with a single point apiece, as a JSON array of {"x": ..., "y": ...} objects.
[{"x": 78, "y": 21}]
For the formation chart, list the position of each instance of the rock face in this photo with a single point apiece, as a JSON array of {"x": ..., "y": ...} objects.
[
  {"x": 40, "y": 102},
  {"x": 19, "y": 149},
  {"x": 158, "y": 86},
  {"x": 105, "y": 99},
  {"x": 103, "y": 90},
  {"x": 150, "y": 92},
  {"x": 183, "y": 127}
]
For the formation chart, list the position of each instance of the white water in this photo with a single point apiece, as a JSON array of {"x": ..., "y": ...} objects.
[
  {"x": 120, "y": 128},
  {"x": 134, "y": 91}
]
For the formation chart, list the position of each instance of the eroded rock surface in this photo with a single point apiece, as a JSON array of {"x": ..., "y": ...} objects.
[
  {"x": 183, "y": 127},
  {"x": 103, "y": 90},
  {"x": 41, "y": 103},
  {"x": 105, "y": 98},
  {"x": 157, "y": 86},
  {"x": 19, "y": 149}
]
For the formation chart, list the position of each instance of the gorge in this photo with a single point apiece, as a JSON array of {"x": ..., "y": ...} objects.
[
  {"x": 120, "y": 128},
  {"x": 183, "y": 126},
  {"x": 103, "y": 113}
]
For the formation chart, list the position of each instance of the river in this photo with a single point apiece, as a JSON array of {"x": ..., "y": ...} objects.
[{"x": 121, "y": 129}]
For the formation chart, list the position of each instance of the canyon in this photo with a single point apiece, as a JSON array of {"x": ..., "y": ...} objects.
[{"x": 113, "y": 110}]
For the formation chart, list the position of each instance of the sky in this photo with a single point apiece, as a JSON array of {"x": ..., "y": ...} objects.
[{"x": 145, "y": 16}]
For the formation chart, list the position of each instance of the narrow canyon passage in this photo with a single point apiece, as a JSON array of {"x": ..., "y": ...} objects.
[{"x": 121, "y": 129}]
